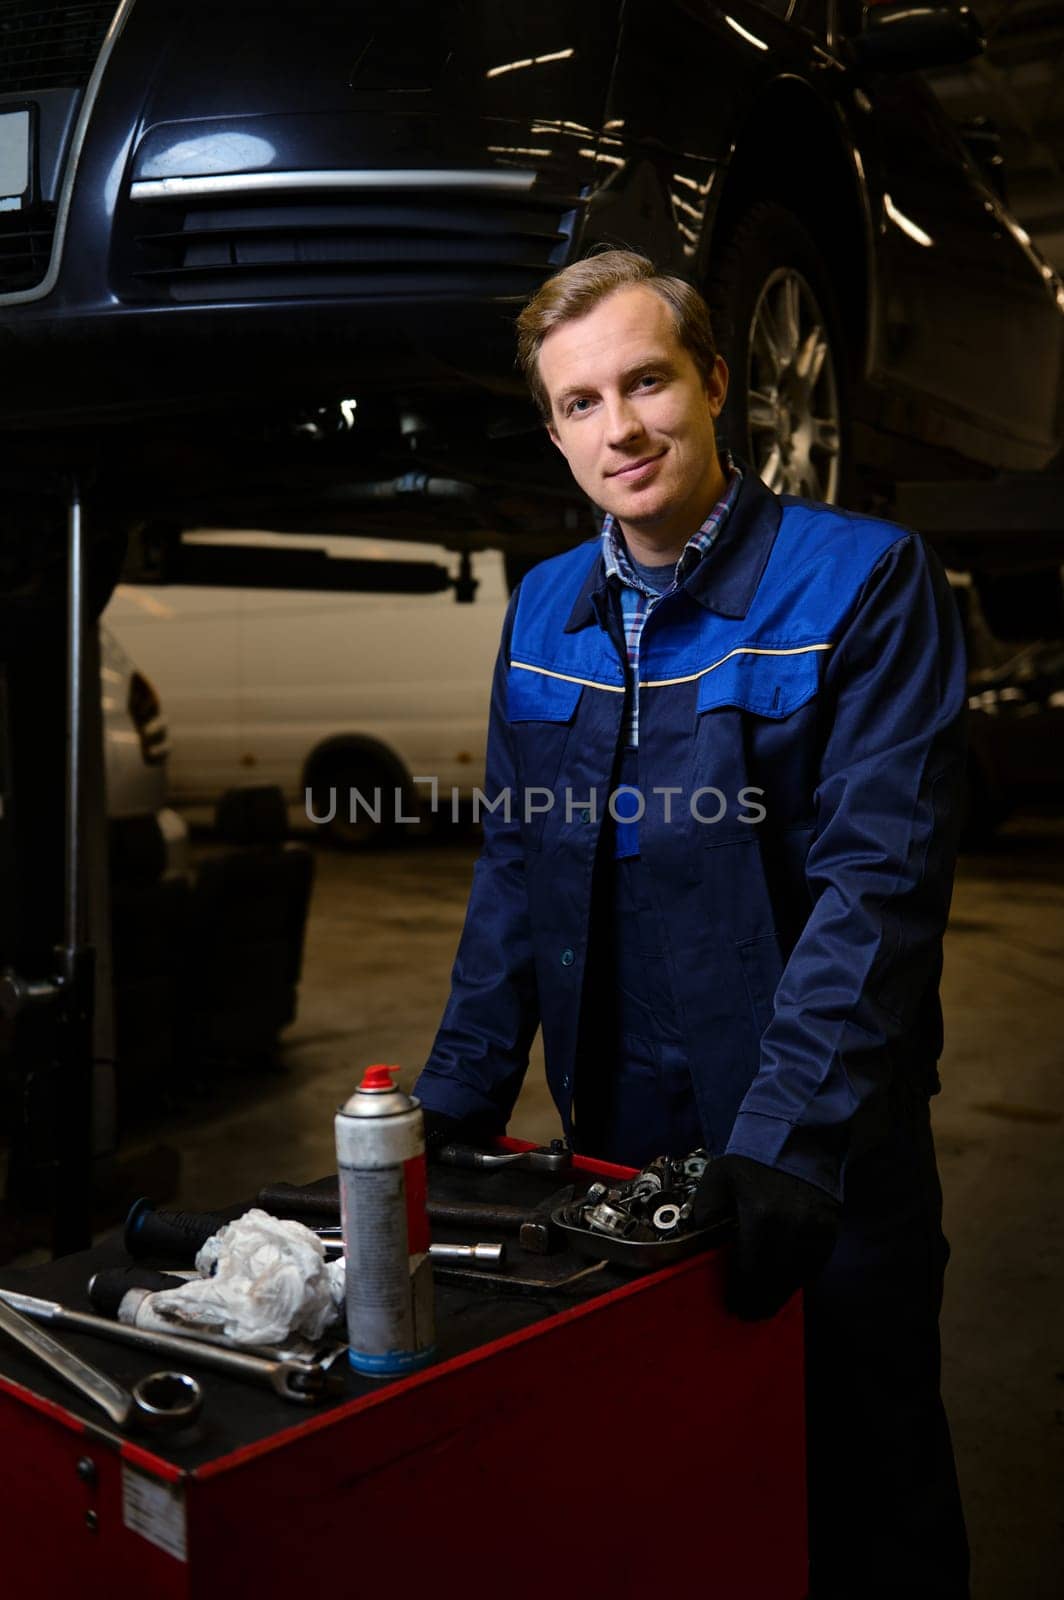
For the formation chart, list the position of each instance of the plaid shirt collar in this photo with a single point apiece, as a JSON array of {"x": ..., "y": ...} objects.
[{"x": 618, "y": 562}]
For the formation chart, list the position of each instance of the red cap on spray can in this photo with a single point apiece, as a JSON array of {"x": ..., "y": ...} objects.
[{"x": 378, "y": 1077}]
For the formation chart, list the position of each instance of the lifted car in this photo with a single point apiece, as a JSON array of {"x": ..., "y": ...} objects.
[{"x": 259, "y": 262}]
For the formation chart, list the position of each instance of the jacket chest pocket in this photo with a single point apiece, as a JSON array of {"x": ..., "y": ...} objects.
[
  {"x": 765, "y": 682},
  {"x": 541, "y": 711},
  {"x": 756, "y": 742}
]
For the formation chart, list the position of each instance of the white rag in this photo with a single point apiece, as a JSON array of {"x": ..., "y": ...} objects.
[{"x": 262, "y": 1280}]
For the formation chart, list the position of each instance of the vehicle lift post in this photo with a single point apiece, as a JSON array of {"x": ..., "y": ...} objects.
[{"x": 69, "y": 990}]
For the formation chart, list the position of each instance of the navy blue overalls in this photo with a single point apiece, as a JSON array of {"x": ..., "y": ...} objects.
[
  {"x": 635, "y": 1095},
  {"x": 775, "y": 957}
]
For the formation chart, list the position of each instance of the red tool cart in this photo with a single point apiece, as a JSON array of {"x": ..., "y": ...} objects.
[{"x": 596, "y": 1438}]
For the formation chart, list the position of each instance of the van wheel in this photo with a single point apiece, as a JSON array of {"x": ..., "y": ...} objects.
[
  {"x": 774, "y": 312},
  {"x": 357, "y": 796}
]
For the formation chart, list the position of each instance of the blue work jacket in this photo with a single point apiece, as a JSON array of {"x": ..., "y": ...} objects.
[{"x": 802, "y": 696}]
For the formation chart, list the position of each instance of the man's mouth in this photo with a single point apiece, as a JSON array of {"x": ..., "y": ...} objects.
[{"x": 633, "y": 469}]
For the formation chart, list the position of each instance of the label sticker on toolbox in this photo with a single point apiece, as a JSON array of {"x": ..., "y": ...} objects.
[{"x": 155, "y": 1510}]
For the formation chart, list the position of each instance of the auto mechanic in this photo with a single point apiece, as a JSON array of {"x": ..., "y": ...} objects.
[{"x": 765, "y": 986}]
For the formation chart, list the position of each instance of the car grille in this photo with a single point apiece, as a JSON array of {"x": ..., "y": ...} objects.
[
  {"x": 50, "y": 47},
  {"x": 42, "y": 47},
  {"x": 427, "y": 245},
  {"x": 24, "y": 249}
]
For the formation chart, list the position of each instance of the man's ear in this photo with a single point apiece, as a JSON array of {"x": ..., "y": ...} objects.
[{"x": 717, "y": 387}]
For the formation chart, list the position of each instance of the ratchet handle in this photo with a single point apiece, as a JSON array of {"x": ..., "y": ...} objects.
[
  {"x": 107, "y": 1289},
  {"x": 466, "y": 1155},
  {"x": 174, "y": 1235}
]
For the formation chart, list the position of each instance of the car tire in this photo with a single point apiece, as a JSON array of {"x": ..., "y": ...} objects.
[
  {"x": 778, "y": 329},
  {"x": 334, "y": 777}
]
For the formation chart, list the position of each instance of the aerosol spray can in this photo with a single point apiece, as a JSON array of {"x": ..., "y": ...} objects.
[{"x": 380, "y": 1157}]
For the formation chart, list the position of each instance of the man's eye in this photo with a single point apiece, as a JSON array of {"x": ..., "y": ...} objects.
[
  {"x": 648, "y": 378},
  {"x": 576, "y": 405}
]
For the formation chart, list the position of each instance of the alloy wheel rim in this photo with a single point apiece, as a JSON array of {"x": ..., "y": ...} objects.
[{"x": 793, "y": 402}]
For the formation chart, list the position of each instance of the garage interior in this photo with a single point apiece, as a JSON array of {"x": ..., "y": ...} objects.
[{"x": 365, "y": 970}]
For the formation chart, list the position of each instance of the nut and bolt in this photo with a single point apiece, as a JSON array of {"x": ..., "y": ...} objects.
[{"x": 658, "y": 1201}]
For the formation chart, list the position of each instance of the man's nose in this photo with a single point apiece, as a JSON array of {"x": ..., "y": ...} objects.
[{"x": 622, "y": 422}]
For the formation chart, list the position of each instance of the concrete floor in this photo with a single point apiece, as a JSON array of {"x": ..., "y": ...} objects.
[{"x": 380, "y": 942}]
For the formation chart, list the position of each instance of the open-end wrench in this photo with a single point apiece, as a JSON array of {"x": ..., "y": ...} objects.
[
  {"x": 300, "y": 1381},
  {"x": 162, "y": 1400}
]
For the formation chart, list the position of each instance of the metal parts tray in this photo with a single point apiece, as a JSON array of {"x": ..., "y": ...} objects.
[{"x": 637, "y": 1254}]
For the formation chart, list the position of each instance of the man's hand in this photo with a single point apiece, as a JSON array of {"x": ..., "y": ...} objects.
[
  {"x": 786, "y": 1231},
  {"x": 441, "y": 1129}
]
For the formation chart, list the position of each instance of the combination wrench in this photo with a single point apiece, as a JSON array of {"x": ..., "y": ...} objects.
[
  {"x": 293, "y": 1379},
  {"x": 161, "y": 1400}
]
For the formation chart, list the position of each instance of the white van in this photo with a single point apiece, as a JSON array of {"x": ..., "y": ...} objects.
[
  {"x": 136, "y": 749},
  {"x": 324, "y": 690}
]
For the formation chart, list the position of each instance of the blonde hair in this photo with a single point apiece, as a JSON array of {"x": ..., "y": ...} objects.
[{"x": 578, "y": 288}]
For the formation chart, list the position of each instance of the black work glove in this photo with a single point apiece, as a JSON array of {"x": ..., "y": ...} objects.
[
  {"x": 440, "y": 1129},
  {"x": 785, "y": 1231}
]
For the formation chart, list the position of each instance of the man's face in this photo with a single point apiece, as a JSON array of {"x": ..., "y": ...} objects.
[{"x": 632, "y": 415}]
